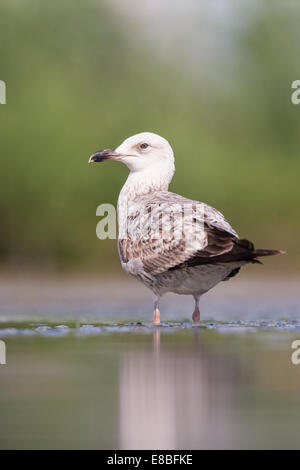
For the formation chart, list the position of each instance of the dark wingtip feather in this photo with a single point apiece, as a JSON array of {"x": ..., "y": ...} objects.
[{"x": 268, "y": 252}]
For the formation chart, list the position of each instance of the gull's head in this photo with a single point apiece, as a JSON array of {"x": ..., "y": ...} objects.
[{"x": 144, "y": 151}]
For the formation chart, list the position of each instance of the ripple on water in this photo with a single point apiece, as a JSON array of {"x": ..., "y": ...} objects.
[{"x": 89, "y": 329}]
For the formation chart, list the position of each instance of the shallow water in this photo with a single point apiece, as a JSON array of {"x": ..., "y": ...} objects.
[
  {"x": 85, "y": 371},
  {"x": 140, "y": 387}
]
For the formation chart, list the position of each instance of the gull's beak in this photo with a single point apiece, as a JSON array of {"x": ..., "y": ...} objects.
[{"x": 103, "y": 155}]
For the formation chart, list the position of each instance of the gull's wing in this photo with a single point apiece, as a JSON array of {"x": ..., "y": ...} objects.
[{"x": 167, "y": 231}]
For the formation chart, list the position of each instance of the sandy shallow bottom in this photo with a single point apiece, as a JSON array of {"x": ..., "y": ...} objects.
[{"x": 122, "y": 300}]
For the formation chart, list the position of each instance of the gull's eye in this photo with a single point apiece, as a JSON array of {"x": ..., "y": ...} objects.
[{"x": 143, "y": 146}]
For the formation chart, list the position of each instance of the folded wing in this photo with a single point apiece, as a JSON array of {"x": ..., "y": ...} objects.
[{"x": 166, "y": 231}]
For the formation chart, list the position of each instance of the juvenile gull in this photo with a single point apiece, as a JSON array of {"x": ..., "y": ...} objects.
[{"x": 169, "y": 242}]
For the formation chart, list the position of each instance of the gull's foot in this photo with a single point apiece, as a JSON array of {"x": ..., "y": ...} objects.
[
  {"x": 196, "y": 316},
  {"x": 156, "y": 317}
]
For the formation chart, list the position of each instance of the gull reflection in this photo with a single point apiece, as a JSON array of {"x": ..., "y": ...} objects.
[{"x": 177, "y": 395}]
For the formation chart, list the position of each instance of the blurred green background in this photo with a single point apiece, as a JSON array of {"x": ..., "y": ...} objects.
[{"x": 213, "y": 78}]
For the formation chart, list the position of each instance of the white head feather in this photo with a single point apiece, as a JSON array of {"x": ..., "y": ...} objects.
[{"x": 146, "y": 152}]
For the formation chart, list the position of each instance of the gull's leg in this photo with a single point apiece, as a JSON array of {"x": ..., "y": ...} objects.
[
  {"x": 156, "y": 313},
  {"x": 196, "y": 314}
]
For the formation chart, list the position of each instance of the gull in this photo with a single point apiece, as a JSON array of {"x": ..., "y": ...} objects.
[{"x": 168, "y": 242}]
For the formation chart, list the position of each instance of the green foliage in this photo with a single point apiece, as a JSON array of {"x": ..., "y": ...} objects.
[{"x": 78, "y": 80}]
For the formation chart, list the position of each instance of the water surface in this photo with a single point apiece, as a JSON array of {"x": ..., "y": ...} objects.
[{"x": 87, "y": 370}]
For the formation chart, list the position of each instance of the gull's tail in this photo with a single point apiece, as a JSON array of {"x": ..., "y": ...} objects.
[
  {"x": 251, "y": 254},
  {"x": 262, "y": 252},
  {"x": 238, "y": 249}
]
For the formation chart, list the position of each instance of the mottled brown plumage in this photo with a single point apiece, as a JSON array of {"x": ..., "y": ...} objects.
[{"x": 169, "y": 242}]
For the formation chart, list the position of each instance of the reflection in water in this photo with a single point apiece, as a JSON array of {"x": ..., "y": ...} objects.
[{"x": 177, "y": 397}]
